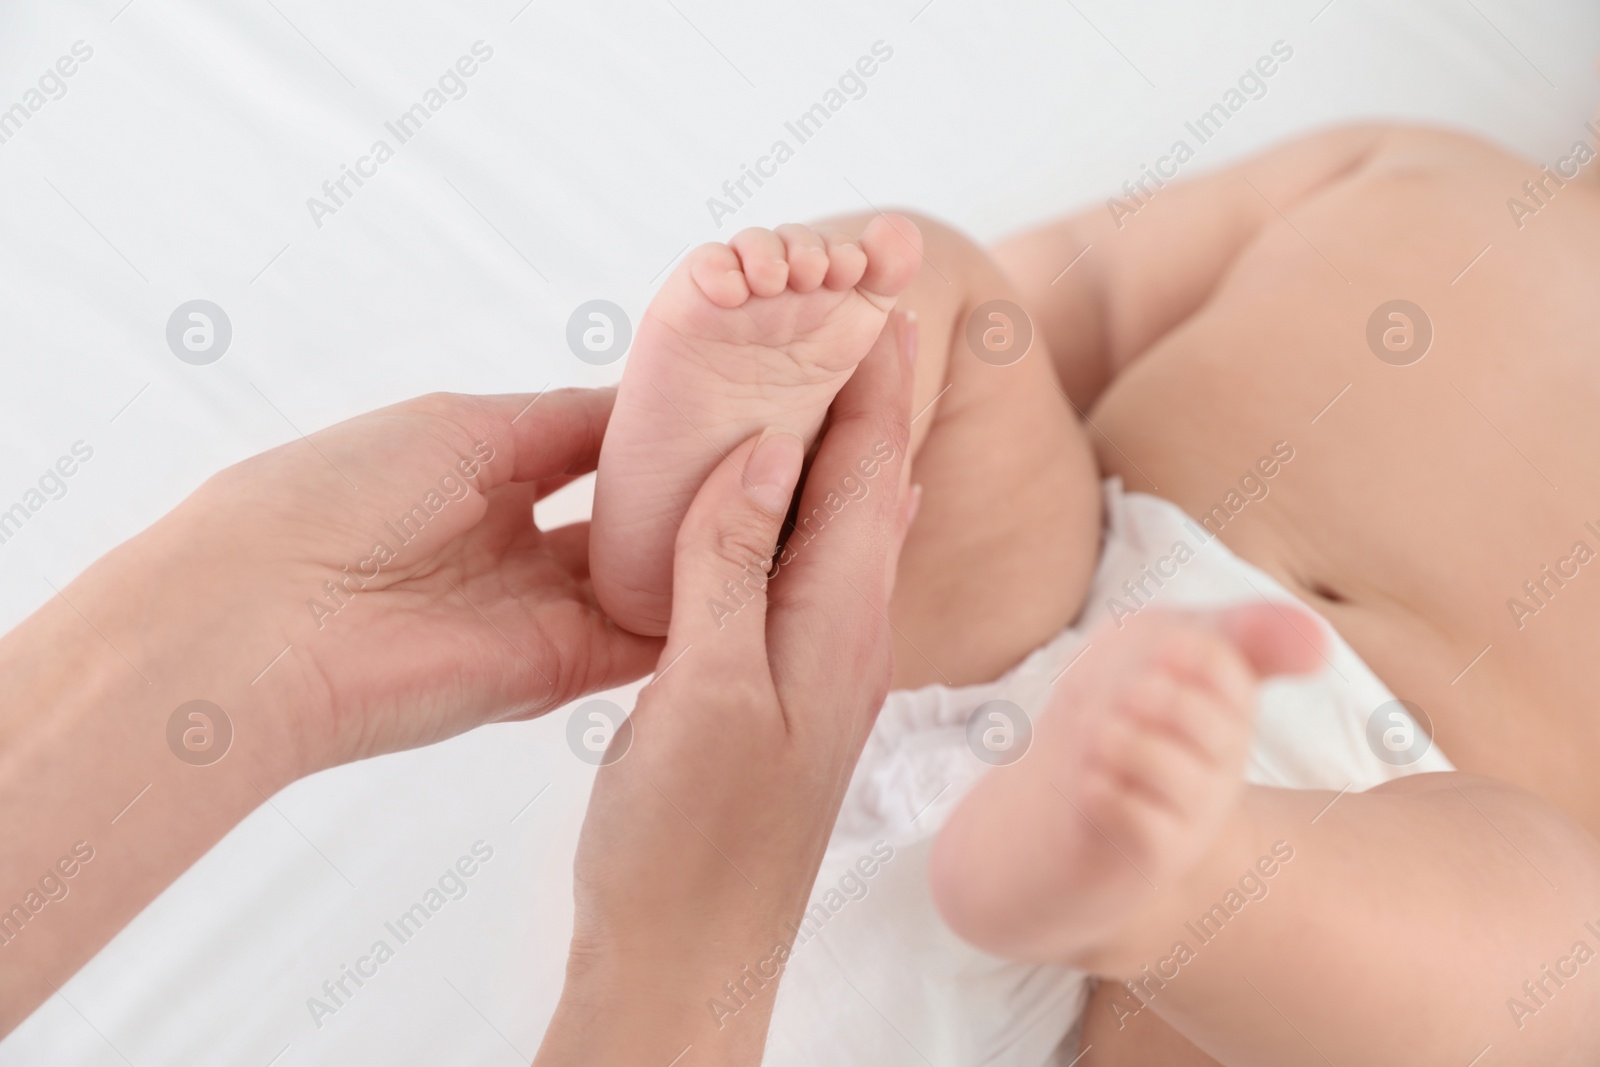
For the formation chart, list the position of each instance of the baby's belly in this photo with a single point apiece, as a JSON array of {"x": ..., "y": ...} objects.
[{"x": 1444, "y": 515}]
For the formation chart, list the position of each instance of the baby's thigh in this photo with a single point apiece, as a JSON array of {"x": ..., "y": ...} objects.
[{"x": 1006, "y": 540}]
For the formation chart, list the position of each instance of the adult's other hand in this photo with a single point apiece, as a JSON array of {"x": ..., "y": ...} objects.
[
  {"x": 375, "y": 586},
  {"x": 703, "y": 840},
  {"x": 420, "y": 598}
]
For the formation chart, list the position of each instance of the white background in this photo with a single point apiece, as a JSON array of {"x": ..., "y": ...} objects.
[{"x": 178, "y": 165}]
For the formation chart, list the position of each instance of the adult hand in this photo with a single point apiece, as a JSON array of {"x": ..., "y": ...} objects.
[
  {"x": 703, "y": 840},
  {"x": 416, "y": 595},
  {"x": 375, "y": 586}
]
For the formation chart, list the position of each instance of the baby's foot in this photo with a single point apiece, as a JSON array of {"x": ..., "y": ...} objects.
[
  {"x": 1133, "y": 777},
  {"x": 761, "y": 332}
]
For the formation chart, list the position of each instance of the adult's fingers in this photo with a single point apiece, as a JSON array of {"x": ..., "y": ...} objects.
[
  {"x": 518, "y": 437},
  {"x": 830, "y": 600},
  {"x": 724, "y": 547}
]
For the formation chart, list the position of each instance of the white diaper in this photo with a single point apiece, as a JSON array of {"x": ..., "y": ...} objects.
[{"x": 875, "y": 977}]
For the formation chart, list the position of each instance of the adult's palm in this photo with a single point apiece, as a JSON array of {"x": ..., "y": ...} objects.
[{"x": 396, "y": 557}]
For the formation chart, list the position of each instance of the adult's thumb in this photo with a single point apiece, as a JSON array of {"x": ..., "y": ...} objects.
[{"x": 724, "y": 550}]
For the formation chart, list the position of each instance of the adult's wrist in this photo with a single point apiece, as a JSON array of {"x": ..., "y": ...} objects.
[
  {"x": 639, "y": 1005},
  {"x": 109, "y": 788},
  {"x": 137, "y": 661},
  {"x": 191, "y": 610}
]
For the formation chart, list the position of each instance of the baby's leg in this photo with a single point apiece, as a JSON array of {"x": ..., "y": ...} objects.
[
  {"x": 1008, "y": 533},
  {"x": 1424, "y": 921},
  {"x": 1008, "y": 530},
  {"x": 1132, "y": 280},
  {"x": 1420, "y": 922}
]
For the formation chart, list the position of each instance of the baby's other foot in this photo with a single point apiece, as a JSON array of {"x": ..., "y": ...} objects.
[
  {"x": 760, "y": 332},
  {"x": 1134, "y": 775}
]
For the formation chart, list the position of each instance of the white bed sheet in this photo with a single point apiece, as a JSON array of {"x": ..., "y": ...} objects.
[{"x": 178, "y": 165}]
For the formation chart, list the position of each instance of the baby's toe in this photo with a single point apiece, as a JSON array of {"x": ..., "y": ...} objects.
[
  {"x": 1217, "y": 732},
  {"x": 762, "y": 255},
  {"x": 1205, "y": 658},
  {"x": 1156, "y": 764},
  {"x": 1275, "y": 640},
  {"x": 893, "y": 245},
  {"x": 846, "y": 263},
  {"x": 1131, "y": 819},
  {"x": 716, "y": 271},
  {"x": 807, "y": 254}
]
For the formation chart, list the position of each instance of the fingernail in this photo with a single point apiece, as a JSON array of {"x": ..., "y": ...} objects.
[
  {"x": 914, "y": 504},
  {"x": 773, "y": 469},
  {"x": 908, "y": 337}
]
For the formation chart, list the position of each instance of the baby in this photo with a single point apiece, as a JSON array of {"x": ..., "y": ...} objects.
[{"x": 1129, "y": 815}]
